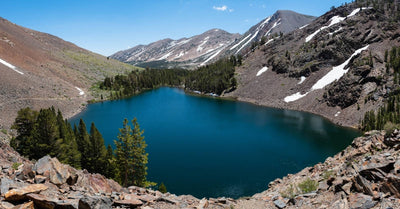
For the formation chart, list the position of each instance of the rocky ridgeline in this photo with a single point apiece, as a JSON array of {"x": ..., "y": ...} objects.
[{"x": 364, "y": 175}]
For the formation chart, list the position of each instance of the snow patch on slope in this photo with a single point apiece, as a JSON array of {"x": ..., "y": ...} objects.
[
  {"x": 334, "y": 20},
  {"x": 184, "y": 41},
  {"x": 335, "y": 74},
  {"x": 180, "y": 54},
  {"x": 80, "y": 91},
  {"x": 200, "y": 47},
  {"x": 211, "y": 57},
  {"x": 269, "y": 41},
  {"x": 264, "y": 69},
  {"x": 165, "y": 56},
  {"x": 278, "y": 22},
  {"x": 236, "y": 45},
  {"x": 247, "y": 42},
  {"x": 303, "y": 26},
  {"x": 12, "y": 67},
  {"x": 295, "y": 97},
  {"x": 302, "y": 79}
]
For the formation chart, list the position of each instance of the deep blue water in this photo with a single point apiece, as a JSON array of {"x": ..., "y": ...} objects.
[{"x": 211, "y": 147}]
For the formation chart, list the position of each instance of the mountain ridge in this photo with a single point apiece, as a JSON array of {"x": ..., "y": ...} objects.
[{"x": 167, "y": 53}]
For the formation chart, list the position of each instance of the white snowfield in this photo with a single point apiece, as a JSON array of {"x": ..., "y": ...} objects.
[
  {"x": 247, "y": 42},
  {"x": 184, "y": 41},
  {"x": 165, "y": 56},
  {"x": 269, "y": 41},
  {"x": 302, "y": 79},
  {"x": 278, "y": 22},
  {"x": 254, "y": 35},
  {"x": 200, "y": 47},
  {"x": 180, "y": 54},
  {"x": 12, "y": 67},
  {"x": 80, "y": 91},
  {"x": 303, "y": 26},
  {"x": 334, "y": 20},
  {"x": 236, "y": 45},
  {"x": 211, "y": 57},
  {"x": 295, "y": 97},
  {"x": 339, "y": 29},
  {"x": 264, "y": 69},
  {"x": 335, "y": 74}
]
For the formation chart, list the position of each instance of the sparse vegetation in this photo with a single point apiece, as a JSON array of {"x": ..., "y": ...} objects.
[
  {"x": 16, "y": 165},
  {"x": 327, "y": 174},
  {"x": 289, "y": 192},
  {"x": 4, "y": 131},
  {"x": 308, "y": 186}
]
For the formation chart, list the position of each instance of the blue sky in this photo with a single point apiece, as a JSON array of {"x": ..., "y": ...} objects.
[{"x": 107, "y": 26}]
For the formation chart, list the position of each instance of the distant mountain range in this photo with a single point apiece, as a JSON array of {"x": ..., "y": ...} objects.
[{"x": 211, "y": 45}]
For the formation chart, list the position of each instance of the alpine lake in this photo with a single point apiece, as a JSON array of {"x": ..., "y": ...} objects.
[{"x": 211, "y": 147}]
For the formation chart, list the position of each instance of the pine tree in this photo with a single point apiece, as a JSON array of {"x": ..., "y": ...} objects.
[
  {"x": 83, "y": 141},
  {"x": 162, "y": 188},
  {"x": 97, "y": 151},
  {"x": 24, "y": 124},
  {"x": 46, "y": 134},
  {"x": 110, "y": 169},
  {"x": 131, "y": 157}
]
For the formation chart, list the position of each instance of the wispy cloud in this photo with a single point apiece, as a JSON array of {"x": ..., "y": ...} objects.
[{"x": 223, "y": 8}]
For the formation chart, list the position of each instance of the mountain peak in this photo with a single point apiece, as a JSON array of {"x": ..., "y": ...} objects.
[{"x": 210, "y": 45}]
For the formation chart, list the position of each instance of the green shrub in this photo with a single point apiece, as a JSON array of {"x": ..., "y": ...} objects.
[
  {"x": 4, "y": 131},
  {"x": 162, "y": 188},
  {"x": 16, "y": 165},
  {"x": 389, "y": 127},
  {"x": 308, "y": 186}
]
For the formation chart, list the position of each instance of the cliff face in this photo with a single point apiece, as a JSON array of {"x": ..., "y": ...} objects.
[{"x": 364, "y": 175}]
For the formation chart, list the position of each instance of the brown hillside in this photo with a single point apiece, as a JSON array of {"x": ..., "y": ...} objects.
[{"x": 52, "y": 69}]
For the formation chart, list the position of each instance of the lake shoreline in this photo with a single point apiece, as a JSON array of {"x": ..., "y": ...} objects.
[
  {"x": 174, "y": 120},
  {"x": 332, "y": 119}
]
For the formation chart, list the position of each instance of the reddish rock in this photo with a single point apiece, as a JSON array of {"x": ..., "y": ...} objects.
[
  {"x": 361, "y": 201},
  {"x": 28, "y": 205},
  {"x": 130, "y": 203},
  {"x": 20, "y": 194}
]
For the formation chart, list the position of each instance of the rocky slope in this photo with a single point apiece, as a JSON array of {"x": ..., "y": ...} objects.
[
  {"x": 282, "y": 21},
  {"x": 209, "y": 46},
  {"x": 39, "y": 70},
  {"x": 364, "y": 175},
  {"x": 334, "y": 67}
]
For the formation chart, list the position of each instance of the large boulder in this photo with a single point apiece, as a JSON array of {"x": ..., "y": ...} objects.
[
  {"x": 89, "y": 202},
  {"x": 57, "y": 173},
  {"x": 97, "y": 183},
  {"x": 21, "y": 194}
]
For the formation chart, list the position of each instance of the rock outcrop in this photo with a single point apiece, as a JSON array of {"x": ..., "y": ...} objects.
[{"x": 364, "y": 175}]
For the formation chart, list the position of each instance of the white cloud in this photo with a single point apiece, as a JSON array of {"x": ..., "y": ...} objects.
[{"x": 222, "y": 8}]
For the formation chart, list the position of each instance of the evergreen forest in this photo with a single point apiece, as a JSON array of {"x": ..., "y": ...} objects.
[
  {"x": 214, "y": 78},
  {"x": 46, "y": 132}
]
